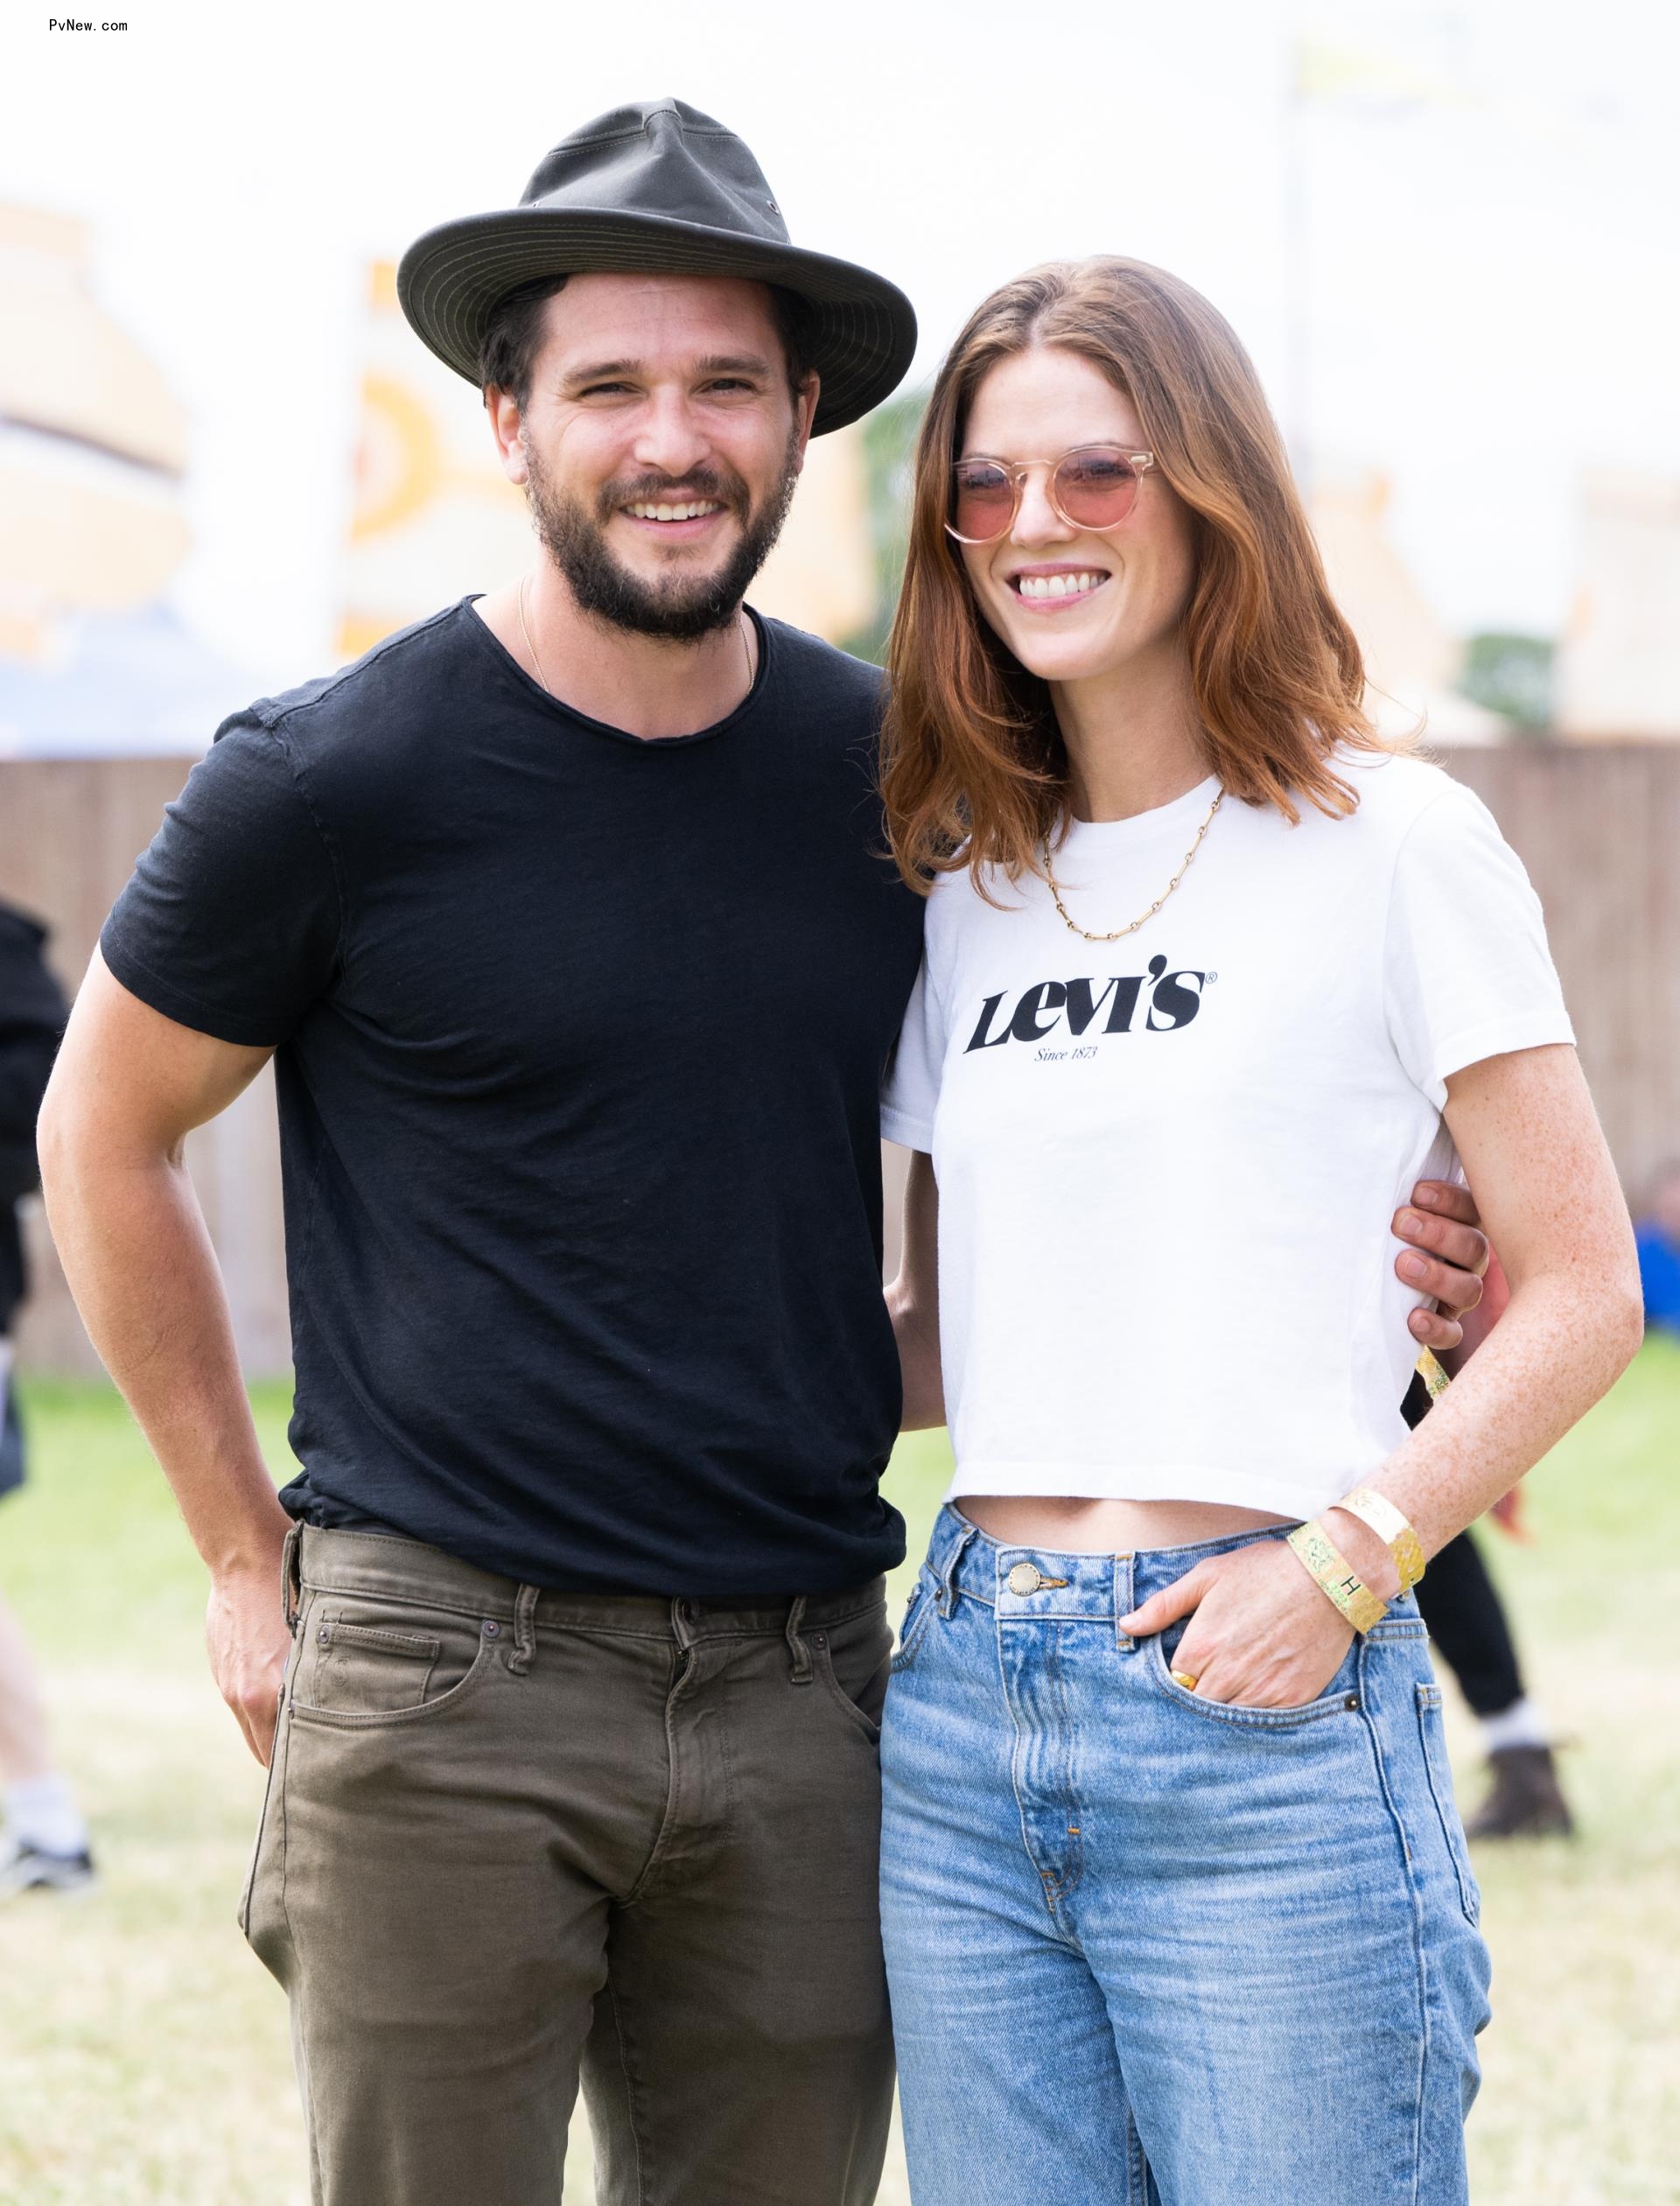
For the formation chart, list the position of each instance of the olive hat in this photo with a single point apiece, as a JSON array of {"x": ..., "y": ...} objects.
[{"x": 658, "y": 187}]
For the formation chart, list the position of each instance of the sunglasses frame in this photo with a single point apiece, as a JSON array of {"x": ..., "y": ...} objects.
[{"x": 1018, "y": 470}]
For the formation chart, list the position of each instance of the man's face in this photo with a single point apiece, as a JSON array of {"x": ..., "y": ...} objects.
[{"x": 659, "y": 447}]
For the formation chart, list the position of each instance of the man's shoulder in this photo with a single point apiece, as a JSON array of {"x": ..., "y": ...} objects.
[
  {"x": 831, "y": 676},
  {"x": 395, "y": 675}
]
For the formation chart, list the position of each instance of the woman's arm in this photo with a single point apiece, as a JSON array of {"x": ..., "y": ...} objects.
[
  {"x": 913, "y": 1299},
  {"x": 1531, "y": 1146},
  {"x": 1530, "y": 1140}
]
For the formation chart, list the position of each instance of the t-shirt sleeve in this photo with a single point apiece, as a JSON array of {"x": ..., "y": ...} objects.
[
  {"x": 1468, "y": 972},
  {"x": 231, "y": 922},
  {"x": 911, "y": 1090}
]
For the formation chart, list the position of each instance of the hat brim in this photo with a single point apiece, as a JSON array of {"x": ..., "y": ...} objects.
[{"x": 863, "y": 329}]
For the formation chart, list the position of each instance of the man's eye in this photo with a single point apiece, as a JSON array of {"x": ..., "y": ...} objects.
[{"x": 603, "y": 390}]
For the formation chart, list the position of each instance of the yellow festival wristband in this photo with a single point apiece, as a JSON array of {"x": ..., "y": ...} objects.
[
  {"x": 1328, "y": 1569},
  {"x": 1430, "y": 1371},
  {"x": 1392, "y": 1528}
]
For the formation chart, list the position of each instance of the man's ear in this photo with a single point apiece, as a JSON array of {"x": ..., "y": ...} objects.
[
  {"x": 508, "y": 427},
  {"x": 805, "y": 409}
]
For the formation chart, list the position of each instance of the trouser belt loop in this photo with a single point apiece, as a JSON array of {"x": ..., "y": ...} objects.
[
  {"x": 524, "y": 1631},
  {"x": 801, "y": 1653},
  {"x": 292, "y": 1582},
  {"x": 1125, "y": 1570},
  {"x": 948, "y": 1577}
]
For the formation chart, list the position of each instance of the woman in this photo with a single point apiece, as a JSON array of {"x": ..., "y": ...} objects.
[{"x": 1176, "y": 1900}]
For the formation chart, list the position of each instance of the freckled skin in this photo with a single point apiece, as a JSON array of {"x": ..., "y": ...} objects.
[{"x": 1524, "y": 1123}]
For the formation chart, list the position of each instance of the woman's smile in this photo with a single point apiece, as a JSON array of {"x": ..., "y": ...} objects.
[{"x": 1056, "y": 588}]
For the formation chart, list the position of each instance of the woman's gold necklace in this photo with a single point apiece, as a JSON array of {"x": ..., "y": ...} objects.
[
  {"x": 746, "y": 648},
  {"x": 1120, "y": 932}
]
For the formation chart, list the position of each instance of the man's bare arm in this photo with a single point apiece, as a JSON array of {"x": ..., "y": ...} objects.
[
  {"x": 128, "y": 1087},
  {"x": 913, "y": 1299}
]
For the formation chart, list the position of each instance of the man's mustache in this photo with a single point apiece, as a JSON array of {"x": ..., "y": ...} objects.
[{"x": 672, "y": 490}]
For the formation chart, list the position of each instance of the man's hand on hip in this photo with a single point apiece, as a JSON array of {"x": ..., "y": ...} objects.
[
  {"x": 1445, "y": 1255},
  {"x": 249, "y": 1640}
]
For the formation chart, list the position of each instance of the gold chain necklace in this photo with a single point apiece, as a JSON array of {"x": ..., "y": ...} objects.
[
  {"x": 746, "y": 648},
  {"x": 1120, "y": 932}
]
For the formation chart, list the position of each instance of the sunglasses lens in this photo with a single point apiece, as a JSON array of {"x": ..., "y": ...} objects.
[
  {"x": 1096, "y": 489},
  {"x": 982, "y": 502}
]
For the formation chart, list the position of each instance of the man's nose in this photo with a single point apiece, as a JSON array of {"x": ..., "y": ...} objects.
[{"x": 669, "y": 439}]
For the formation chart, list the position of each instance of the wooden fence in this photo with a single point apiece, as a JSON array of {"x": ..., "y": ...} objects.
[
  {"x": 70, "y": 831},
  {"x": 1598, "y": 827}
]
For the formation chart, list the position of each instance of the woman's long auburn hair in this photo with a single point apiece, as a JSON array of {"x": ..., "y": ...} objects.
[{"x": 974, "y": 769}]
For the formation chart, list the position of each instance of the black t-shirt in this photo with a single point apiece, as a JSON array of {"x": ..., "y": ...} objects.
[{"x": 580, "y": 1045}]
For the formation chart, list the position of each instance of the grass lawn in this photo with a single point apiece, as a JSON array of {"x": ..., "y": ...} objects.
[{"x": 144, "y": 2052}]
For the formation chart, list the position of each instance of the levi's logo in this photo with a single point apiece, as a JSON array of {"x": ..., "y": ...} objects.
[{"x": 1157, "y": 1002}]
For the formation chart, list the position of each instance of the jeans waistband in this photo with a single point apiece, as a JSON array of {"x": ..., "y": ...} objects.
[
  {"x": 385, "y": 1565},
  {"x": 1046, "y": 1584}
]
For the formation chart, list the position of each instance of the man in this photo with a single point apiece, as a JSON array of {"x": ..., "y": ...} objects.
[
  {"x": 44, "y": 1845},
  {"x": 565, "y": 919}
]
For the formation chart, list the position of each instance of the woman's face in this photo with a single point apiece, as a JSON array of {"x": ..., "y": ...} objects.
[{"x": 1137, "y": 577}]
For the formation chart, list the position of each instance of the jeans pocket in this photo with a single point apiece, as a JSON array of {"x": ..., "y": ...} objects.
[
  {"x": 1341, "y": 1697},
  {"x": 854, "y": 1674},
  {"x": 1439, "y": 1771},
  {"x": 367, "y": 1660}
]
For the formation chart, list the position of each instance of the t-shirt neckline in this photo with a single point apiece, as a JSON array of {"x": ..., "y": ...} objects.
[
  {"x": 1094, "y": 836},
  {"x": 557, "y": 708}
]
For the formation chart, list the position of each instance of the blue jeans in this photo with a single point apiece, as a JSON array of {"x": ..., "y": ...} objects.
[{"x": 1147, "y": 1949}]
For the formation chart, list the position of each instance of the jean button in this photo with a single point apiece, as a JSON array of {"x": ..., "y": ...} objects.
[
  {"x": 491, "y": 1629},
  {"x": 1025, "y": 1578}
]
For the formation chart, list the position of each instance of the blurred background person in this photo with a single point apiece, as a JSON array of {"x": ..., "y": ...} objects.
[
  {"x": 44, "y": 1843},
  {"x": 1658, "y": 1235},
  {"x": 1472, "y": 1631}
]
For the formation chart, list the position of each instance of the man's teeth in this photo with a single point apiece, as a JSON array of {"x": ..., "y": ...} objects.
[
  {"x": 1058, "y": 586},
  {"x": 691, "y": 512}
]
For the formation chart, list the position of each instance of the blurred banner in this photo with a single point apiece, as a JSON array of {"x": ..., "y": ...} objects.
[
  {"x": 93, "y": 461},
  {"x": 1618, "y": 663}
]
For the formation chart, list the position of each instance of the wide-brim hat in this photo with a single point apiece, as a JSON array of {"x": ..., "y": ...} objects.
[{"x": 658, "y": 187}]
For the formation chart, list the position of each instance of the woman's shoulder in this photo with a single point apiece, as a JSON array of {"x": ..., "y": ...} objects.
[{"x": 1395, "y": 790}]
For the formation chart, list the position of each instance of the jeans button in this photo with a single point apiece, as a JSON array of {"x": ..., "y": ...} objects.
[
  {"x": 491, "y": 1629},
  {"x": 1025, "y": 1578}
]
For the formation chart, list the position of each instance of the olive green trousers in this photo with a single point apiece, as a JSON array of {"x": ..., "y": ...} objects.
[{"x": 513, "y": 1837}]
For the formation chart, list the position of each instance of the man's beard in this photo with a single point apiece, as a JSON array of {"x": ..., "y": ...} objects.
[{"x": 678, "y": 609}]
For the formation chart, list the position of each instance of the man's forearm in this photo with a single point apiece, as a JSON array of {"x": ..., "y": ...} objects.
[{"x": 137, "y": 1257}]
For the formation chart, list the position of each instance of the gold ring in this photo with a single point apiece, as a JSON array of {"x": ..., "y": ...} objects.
[{"x": 1183, "y": 1678}]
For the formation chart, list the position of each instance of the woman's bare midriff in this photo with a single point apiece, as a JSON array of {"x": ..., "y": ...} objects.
[{"x": 1070, "y": 1526}]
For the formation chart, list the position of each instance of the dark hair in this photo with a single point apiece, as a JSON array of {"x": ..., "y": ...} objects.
[{"x": 512, "y": 336}]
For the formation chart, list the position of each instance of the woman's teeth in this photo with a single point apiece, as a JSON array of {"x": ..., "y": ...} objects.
[
  {"x": 692, "y": 512},
  {"x": 1058, "y": 586}
]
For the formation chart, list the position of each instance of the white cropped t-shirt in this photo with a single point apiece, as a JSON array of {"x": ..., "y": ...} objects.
[{"x": 1167, "y": 1165}]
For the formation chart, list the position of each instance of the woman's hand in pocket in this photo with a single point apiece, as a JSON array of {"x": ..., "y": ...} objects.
[{"x": 1260, "y": 1632}]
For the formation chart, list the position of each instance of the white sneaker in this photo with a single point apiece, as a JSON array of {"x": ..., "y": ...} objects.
[{"x": 27, "y": 1868}]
